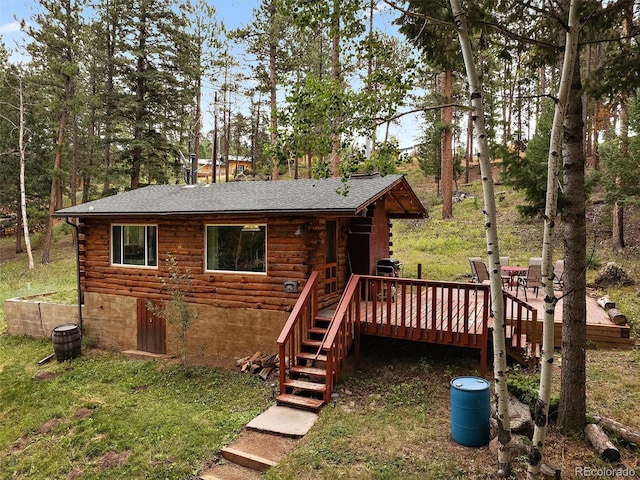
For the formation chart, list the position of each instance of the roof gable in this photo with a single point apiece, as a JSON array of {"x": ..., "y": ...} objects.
[{"x": 273, "y": 197}]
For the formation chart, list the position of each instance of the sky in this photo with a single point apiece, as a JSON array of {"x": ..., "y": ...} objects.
[{"x": 234, "y": 13}]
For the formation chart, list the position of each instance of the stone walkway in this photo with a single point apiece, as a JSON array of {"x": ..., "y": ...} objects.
[{"x": 262, "y": 444}]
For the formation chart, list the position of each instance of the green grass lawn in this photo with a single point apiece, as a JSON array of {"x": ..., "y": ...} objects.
[{"x": 104, "y": 416}]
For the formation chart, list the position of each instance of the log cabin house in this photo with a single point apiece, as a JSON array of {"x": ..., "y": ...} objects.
[{"x": 249, "y": 248}]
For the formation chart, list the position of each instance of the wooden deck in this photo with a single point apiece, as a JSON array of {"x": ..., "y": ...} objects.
[
  {"x": 436, "y": 312},
  {"x": 601, "y": 331},
  {"x": 453, "y": 313},
  {"x": 313, "y": 344}
]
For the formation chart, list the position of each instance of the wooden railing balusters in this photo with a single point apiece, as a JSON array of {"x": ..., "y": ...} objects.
[{"x": 452, "y": 313}]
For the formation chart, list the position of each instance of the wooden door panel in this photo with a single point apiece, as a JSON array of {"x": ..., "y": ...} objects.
[{"x": 152, "y": 330}]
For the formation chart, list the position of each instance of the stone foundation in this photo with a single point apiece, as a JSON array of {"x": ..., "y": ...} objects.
[{"x": 109, "y": 321}]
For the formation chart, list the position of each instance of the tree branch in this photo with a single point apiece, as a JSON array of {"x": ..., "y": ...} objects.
[
  {"x": 383, "y": 120},
  {"x": 421, "y": 16}
]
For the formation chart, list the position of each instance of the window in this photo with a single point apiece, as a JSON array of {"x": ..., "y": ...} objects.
[
  {"x": 135, "y": 245},
  {"x": 237, "y": 248}
]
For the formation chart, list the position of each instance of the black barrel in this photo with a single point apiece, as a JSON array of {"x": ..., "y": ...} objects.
[{"x": 67, "y": 341}]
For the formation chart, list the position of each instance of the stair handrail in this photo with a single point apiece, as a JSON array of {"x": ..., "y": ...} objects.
[
  {"x": 306, "y": 307},
  {"x": 351, "y": 293},
  {"x": 531, "y": 330}
]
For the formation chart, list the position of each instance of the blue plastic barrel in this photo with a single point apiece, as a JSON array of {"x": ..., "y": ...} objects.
[{"x": 470, "y": 410}]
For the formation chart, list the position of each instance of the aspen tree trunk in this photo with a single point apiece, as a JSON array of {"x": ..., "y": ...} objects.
[
  {"x": 497, "y": 300},
  {"x": 336, "y": 74},
  {"x": 23, "y": 196},
  {"x": 541, "y": 414}
]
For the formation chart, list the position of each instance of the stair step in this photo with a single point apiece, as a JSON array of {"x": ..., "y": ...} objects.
[
  {"x": 300, "y": 402},
  {"x": 321, "y": 357},
  {"x": 247, "y": 460},
  {"x": 309, "y": 342},
  {"x": 303, "y": 385},
  {"x": 310, "y": 371},
  {"x": 229, "y": 471},
  {"x": 318, "y": 330}
]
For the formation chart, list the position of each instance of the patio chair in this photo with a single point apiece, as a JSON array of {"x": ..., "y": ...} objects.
[
  {"x": 532, "y": 280},
  {"x": 481, "y": 270},
  {"x": 558, "y": 274},
  {"x": 474, "y": 273},
  {"x": 535, "y": 261},
  {"x": 506, "y": 278}
]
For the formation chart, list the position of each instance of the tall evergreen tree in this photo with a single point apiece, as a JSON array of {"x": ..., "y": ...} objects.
[
  {"x": 55, "y": 51},
  {"x": 151, "y": 51}
]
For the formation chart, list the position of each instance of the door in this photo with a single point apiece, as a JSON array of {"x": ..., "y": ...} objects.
[
  {"x": 152, "y": 330},
  {"x": 331, "y": 258}
]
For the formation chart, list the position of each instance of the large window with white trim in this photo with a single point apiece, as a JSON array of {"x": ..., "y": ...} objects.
[
  {"x": 134, "y": 245},
  {"x": 237, "y": 248}
]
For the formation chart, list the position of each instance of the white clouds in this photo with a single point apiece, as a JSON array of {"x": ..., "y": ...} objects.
[{"x": 9, "y": 28}]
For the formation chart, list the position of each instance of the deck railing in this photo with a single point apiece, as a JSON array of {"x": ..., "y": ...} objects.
[
  {"x": 342, "y": 332},
  {"x": 297, "y": 327},
  {"x": 450, "y": 313},
  {"x": 434, "y": 311},
  {"x": 522, "y": 319}
]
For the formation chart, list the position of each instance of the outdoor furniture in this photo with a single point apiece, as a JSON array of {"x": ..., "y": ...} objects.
[
  {"x": 535, "y": 261},
  {"x": 506, "y": 278},
  {"x": 513, "y": 272},
  {"x": 474, "y": 273},
  {"x": 533, "y": 280},
  {"x": 558, "y": 274},
  {"x": 481, "y": 270}
]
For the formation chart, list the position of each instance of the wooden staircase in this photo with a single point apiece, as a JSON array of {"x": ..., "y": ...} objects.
[
  {"x": 305, "y": 385},
  {"x": 521, "y": 332},
  {"x": 312, "y": 348}
]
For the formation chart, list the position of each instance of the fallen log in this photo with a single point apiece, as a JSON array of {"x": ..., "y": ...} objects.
[
  {"x": 606, "y": 303},
  {"x": 550, "y": 472},
  {"x": 617, "y": 316},
  {"x": 628, "y": 434},
  {"x": 601, "y": 442}
]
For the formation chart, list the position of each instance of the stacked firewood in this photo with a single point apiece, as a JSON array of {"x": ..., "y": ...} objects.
[{"x": 262, "y": 364}]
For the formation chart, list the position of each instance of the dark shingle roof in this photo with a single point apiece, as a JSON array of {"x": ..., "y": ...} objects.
[{"x": 284, "y": 197}]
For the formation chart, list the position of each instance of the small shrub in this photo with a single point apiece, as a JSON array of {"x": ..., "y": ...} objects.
[
  {"x": 525, "y": 388},
  {"x": 176, "y": 311}
]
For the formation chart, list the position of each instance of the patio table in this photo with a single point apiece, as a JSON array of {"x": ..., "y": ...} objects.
[{"x": 514, "y": 271}]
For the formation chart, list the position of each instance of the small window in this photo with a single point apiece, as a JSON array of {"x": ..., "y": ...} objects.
[
  {"x": 237, "y": 248},
  {"x": 134, "y": 245}
]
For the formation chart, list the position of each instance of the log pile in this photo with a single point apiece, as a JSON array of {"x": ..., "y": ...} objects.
[
  {"x": 615, "y": 315},
  {"x": 261, "y": 364}
]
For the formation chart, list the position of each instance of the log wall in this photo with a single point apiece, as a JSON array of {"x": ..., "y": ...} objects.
[{"x": 289, "y": 257}]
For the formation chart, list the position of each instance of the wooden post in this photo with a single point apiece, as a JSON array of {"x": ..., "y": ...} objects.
[{"x": 419, "y": 271}]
